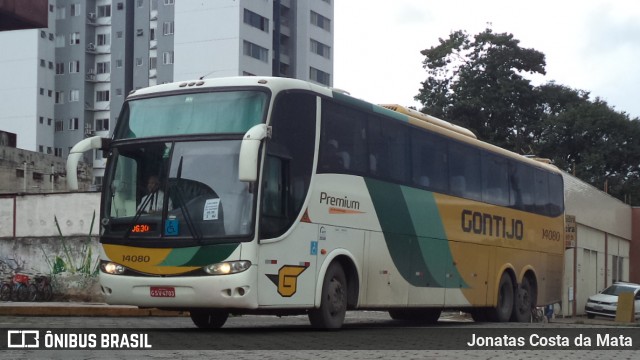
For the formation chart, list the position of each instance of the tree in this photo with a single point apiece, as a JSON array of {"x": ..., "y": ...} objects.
[
  {"x": 591, "y": 140},
  {"x": 479, "y": 84}
]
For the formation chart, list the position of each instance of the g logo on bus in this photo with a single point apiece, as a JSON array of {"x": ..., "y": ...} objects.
[{"x": 287, "y": 279}]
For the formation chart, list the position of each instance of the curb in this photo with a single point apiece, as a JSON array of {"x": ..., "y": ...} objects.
[{"x": 74, "y": 309}]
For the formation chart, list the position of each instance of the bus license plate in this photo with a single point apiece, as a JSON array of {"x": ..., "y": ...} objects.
[{"x": 163, "y": 291}]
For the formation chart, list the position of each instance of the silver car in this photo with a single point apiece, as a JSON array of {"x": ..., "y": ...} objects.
[{"x": 606, "y": 302}]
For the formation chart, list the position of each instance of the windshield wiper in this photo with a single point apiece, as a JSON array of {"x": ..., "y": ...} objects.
[{"x": 183, "y": 208}]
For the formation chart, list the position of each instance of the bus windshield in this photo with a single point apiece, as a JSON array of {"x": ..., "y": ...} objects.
[
  {"x": 177, "y": 190},
  {"x": 192, "y": 113}
]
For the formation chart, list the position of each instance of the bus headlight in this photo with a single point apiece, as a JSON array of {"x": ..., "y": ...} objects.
[
  {"x": 227, "y": 267},
  {"x": 112, "y": 268}
]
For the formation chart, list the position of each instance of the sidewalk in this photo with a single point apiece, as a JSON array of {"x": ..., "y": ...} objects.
[{"x": 78, "y": 309}]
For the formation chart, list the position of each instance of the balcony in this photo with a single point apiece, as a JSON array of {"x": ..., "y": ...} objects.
[{"x": 94, "y": 20}]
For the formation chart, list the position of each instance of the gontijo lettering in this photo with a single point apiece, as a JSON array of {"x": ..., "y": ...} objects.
[{"x": 493, "y": 225}]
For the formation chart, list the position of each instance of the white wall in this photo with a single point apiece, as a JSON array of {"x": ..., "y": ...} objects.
[{"x": 35, "y": 214}]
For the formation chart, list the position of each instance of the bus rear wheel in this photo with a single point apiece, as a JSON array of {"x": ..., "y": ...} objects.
[
  {"x": 333, "y": 303},
  {"x": 524, "y": 302},
  {"x": 502, "y": 311},
  {"x": 208, "y": 318}
]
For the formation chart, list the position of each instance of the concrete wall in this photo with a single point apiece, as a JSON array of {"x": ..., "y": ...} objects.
[{"x": 53, "y": 234}]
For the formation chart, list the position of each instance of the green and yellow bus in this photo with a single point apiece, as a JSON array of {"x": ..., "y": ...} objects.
[{"x": 282, "y": 197}]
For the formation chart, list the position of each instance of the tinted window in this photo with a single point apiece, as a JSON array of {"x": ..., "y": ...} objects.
[
  {"x": 429, "y": 154},
  {"x": 541, "y": 185},
  {"x": 495, "y": 180},
  {"x": 343, "y": 145},
  {"x": 556, "y": 195},
  {"x": 464, "y": 171},
  {"x": 522, "y": 187},
  {"x": 389, "y": 147}
]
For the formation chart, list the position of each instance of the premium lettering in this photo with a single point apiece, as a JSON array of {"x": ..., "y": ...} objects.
[
  {"x": 342, "y": 202},
  {"x": 480, "y": 223}
]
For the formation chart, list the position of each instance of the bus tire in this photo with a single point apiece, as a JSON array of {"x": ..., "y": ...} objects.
[
  {"x": 333, "y": 302},
  {"x": 208, "y": 319},
  {"x": 524, "y": 301},
  {"x": 418, "y": 316},
  {"x": 502, "y": 311}
]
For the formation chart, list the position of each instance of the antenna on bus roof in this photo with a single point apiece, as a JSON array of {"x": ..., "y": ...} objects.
[{"x": 207, "y": 74}]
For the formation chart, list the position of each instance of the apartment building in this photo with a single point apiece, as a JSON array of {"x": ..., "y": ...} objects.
[{"x": 69, "y": 81}]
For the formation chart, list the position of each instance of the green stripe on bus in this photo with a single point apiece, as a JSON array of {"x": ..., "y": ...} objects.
[
  {"x": 199, "y": 255},
  {"x": 414, "y": 234}
]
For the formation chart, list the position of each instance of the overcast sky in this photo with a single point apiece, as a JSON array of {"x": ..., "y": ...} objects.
[{"x": 592, "y": 45}]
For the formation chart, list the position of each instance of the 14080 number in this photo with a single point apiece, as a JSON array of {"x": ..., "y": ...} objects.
[{"x": 136, "y": 258}]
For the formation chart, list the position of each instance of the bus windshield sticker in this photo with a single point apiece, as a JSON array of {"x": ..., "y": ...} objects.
[{"x": 211, "y": 209}]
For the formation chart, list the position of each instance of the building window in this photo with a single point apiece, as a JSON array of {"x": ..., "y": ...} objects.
[
  {"x": 49, "y": 93},
  {"x": 120, "y": 6},
  {"x": 319, "y": 76},
  {"x": 41, "y": 91},
  {"x": 167, "y": 57},
  {"x": 103, "y": 39},
  {"x": 20, "y": 173},
  {"x": 74, "y": 9},
  {"x": 74, "y": 95},
  {"x": 256, "y": 51},
  {"x": 102, "y": 95},
  {"x": 42, "y": 63},
  {"x": 102, "y": 124},
  {"x": 74, "y": 66},
  {"x": 50, "y": 65},
  {"x": 59, "y": 126},
  {"x": 118, "y": 63},
  {"x": 43, "y": 34},
  {"x": 152, "y": 34},
  {"x": 58, "y": 152},
  {"x": 40, "y": 149},
  {"x": 74, "y": 38},
  {"x": 140, "y": 3},
  {"x": 73, "y": 123},
  {"x": 37, "y": 175},
  {"x": 138, "y": 61},
  {"x": 320, "y": 21},
  {"x": 153, "y": 62},
  {"x": 49, "y": 150},
  {"x": 103, "y": 67},
  {"x": 169, "y": 2},
  {"x": 255, "y": 20},
  {"x": 41, "y": 120},
  {"x": 104, "y": 11},
  {"x": 320, "y": 49},
  {"x": 167, "y": 28},
  {"x": 49, "y": 120}
]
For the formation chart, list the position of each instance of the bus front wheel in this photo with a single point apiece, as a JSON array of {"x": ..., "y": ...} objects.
[
  {"x": 333, "y": 303},
  {"x": 208, "y": 319}
]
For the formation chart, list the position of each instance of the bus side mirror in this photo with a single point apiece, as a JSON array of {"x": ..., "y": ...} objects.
[{"x": 249, "y": 151}]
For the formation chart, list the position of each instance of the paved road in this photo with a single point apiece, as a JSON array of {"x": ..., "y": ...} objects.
[{"x": 367, "y": 335}]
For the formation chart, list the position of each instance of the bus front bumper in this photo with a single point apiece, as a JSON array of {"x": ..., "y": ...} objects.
[{"x": 219, "y": 291}]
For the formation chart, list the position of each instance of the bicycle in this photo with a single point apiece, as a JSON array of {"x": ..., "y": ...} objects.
[
  {"x": 14, "y": 288},
  {"x": 40, "y": 288}
]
